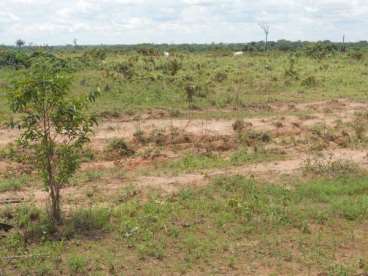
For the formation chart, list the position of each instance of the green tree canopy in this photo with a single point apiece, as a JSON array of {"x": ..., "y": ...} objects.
[{"x": 54, "y": 124}]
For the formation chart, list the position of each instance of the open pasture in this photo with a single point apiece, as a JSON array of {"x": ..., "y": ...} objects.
[{"x": 202, "y": 163}]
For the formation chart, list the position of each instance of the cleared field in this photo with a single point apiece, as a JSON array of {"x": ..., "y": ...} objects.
[{"x": 261, "y": 171}]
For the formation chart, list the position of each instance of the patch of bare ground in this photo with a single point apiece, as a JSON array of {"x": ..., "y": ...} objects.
[
  {"x": 350, "y": 249},
  {"x": 319, "y": 113},
  {"x": 81, "y": 196},
  {"x": 5, "y": 166},
  {"x": 270, "y": 171},
  {"x": 327, "y": 112},
  {"x": 207, "y": 135},
  {"x": 277, "y": 107},
  {"x": 8, "y": 136},
  {"x": 331, "y": 106},
  {"x": 98, "y": 165}
]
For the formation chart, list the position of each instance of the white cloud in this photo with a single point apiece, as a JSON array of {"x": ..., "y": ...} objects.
[{"x": 133, "y": 21}]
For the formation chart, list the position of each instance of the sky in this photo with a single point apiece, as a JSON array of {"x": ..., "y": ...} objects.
[{"x": 59, "y": 22}]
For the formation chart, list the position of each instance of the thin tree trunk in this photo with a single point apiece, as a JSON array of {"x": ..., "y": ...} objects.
[
  {"x": 54, "y": 191},
  {"x": 55, "y": 212},
  {"x": 55, "y": 205},
  {"x": 53, "y": 186}
]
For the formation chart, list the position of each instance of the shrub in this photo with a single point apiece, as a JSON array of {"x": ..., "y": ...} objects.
[
  {"x": 238, "y": 125},
  {"x": 220, "y": 76},
  {"x": 140, "y": 137},
  {"x": 126, "y": 69},
  {"x": 119, "y": 148},
  {"x": 149, "y": 52},
  {"x": 310, "y": 81},
  {"x": 356, "y": 55},
  {"x": 320, "y": 50},
  {"x": 96, "y": 54},
  {"x": 77, "y": 263},
  {"x": 290, "y": 71},
  {"x": 331, "y": 168},
  {"x": 359, "y": 126},
  {"x": 173, "y": 67},
  {"x": 252, "y": 138},
  {"x": 87, "y": 220},
  {"x": 16, "y": 59},
  {"x": 34, "y": 223}
]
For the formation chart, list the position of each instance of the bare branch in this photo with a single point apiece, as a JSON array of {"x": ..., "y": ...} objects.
[{"x": 265, "y": 27}]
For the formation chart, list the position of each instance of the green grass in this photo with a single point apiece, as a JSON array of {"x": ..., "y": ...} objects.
[
  {"x": 87, "y": 220},
  {"x": 257, "y": 84},
  {"x": 233, "y": 223},
  {"x": 199, "y": 162},
  {"x": 345, "y": 197},
  {"x": 250, "y": 80},
  {"x": 77, "y": 263},
  {"x": 12, "y": 184}
]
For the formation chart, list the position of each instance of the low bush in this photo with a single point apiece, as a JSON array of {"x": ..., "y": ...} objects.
[
  {"x": 118, "y": 148},
  {"x": 87, "y": 221}
]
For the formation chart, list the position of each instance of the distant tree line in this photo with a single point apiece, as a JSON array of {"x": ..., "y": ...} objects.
[
  {"x": 281, "y": 45},
  {"x": 20, "y": 56}
]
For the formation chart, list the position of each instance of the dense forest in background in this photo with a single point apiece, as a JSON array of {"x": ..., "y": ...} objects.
[
  {"x": 20, "y": 54},
  {"x": 281, "y": 45}
]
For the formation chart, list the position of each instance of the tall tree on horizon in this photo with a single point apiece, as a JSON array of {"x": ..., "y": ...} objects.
[
  {"x": 266, "y": 29},
  {"x": 20, "y": 43}
]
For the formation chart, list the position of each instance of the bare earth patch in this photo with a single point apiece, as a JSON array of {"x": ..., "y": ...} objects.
[
  {"x": 286, "y": 126},
  {"x": 120, "y": 128},
  {"x": 269, "y": 171}
]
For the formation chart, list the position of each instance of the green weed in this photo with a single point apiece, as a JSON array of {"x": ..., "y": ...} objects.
[{"x": 13, "y": 184}]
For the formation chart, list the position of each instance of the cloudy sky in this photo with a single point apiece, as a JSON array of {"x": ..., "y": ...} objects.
[{"x": 174, "y": 21}]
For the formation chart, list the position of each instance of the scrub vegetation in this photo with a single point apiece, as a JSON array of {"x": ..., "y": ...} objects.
[{"x": 186, "y": 159}]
